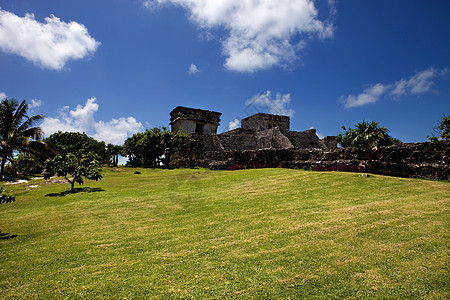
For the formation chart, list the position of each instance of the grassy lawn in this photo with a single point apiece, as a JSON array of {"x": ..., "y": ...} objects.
[{"x": 195, "y": 233}]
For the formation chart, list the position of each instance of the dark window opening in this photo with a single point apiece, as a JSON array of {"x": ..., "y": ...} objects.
[{"x": 199, "y": 128}]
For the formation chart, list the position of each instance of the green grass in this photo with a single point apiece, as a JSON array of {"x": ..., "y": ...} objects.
[{"x": 194, "y": 233}]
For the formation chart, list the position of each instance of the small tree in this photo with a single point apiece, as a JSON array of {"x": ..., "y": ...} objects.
[
  {"x": 442, "y": 131},
  {"x": 74, "y": 168},
  {"x": 365, "y": 138}
]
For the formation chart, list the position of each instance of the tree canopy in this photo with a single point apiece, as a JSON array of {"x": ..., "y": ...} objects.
[
  {"x": 442, "y": 131},
  {"x": 365, "y": 138},
  {"x": 78, "y": 144},
  {"x": 154, "y": 147}
]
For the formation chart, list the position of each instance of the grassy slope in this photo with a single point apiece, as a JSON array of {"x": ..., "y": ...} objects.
[{"x": 273, "y": 233}]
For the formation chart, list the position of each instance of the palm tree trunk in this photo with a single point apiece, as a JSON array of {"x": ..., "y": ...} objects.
[{"x": 2, "y": 171}]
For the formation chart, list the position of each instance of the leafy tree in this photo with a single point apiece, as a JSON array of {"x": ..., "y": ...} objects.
[
  {"x": 17, "y": 131},
  {"x": 175, "y": 143},
  {"x": 365, "y": 138},
  {"x": 154, "y": 146},
  {"x": 113, "y": 152},
  {"x": 442, "y": 131},
  {"x": 5, "y": 197},
  {"x": 77, "y": 144},
  {"x": 133, "y": 149},
  {"x": 26, "y": 164},
  {"x": 73, "y": 168}
]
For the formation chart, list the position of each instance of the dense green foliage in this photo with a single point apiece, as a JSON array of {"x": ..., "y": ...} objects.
[
  {"x": 154, "y": 147},
  {"x": 17, "y": 132},
  {"x": 73, "y": 168},
  {"x": 366, "y": 137},
  {"x": 26, "y": 165},
  {"x": 442, "y": 131},
  {"x": 78, "y": 144},
  {"x": 249, "y": 234}
]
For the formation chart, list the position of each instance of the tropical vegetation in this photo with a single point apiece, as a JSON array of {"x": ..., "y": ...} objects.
[
  {"x": 154, "y": 147},
  {"x": 442, "y": 131},
  {"x": 366, "y": 137},
  {"x": 28, "y": 165},
  {"x": 78, "y": 144},
  {"x": 17, "y": 132},
  {"x": 113, "y": 152},
  {"x": 74, "y": 168}
]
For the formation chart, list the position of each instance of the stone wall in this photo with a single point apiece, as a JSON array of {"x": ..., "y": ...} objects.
[
  {"x": 262, "y": 121},
  {"x": 421, "y": 160}
]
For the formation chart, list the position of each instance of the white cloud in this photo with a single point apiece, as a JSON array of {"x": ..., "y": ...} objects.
[
  {"x": 193, "y": 69},
  {"x": 50, "y": 44},
  {"x": 81, "y": 119},
  {"x": 261, "y": 33},
  {"x": 2, "y": 96},
  {"x": 234, "y": 124},
  {"x": 277, "y": 105},
  {"x": 35, "y": 103},
  {"x": 116, "y": 131},
  {"x": 419, "y": 83},
  {"x": 150, "y": 4},
  {"x": 369, "y": 95}
]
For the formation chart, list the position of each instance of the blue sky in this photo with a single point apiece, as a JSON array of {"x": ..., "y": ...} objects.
[{"x": 111, "y": 68}]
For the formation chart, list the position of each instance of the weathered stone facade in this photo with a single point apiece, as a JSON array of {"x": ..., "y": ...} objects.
[
  {"x": 262, "y": 121},
  {"x": 419, "y": 160},
  {"x": 266, "y": 141},
  {"x": 259, "y": 131},
  {"x": 192, "y": 120}
]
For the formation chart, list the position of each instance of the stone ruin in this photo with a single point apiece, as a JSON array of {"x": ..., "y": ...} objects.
[
  {"x": 192, "y": 120},
  {"x": 259, "y": 131},
  {"x": 265, "y": 140}
]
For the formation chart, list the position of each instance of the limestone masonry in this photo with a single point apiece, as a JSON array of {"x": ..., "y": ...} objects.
[
  {"x": 259, "y": 131},
  {"x": 265, "y": 140}
]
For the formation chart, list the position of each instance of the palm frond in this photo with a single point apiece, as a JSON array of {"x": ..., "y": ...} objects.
[
  {"x": 19, "y": 115},
  {"x": 29, "y": 122}
]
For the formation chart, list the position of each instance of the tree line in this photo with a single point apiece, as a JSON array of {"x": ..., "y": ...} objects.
[
  {"x": 75, "y": 155},
  {"x": 72, "y": 155}
]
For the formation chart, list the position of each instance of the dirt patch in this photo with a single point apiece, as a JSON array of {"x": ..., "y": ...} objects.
[{"x": 52, "y": 181}]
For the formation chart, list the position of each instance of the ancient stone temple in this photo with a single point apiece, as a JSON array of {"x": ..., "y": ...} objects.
[
  {"x": 259, "y": 131},
  {"x": 192, "y": 120}
]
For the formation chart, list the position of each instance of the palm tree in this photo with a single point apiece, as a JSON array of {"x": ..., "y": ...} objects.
[
  {"x": 114, "y": 151},
  {"x": 16, "y": 131},
  {"x": 366, "y": 137}
]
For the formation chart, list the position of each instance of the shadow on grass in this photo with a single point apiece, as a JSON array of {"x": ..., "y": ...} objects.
[
  {"x": 6, "y": 236},
  {"x": 75, "y": 191}
]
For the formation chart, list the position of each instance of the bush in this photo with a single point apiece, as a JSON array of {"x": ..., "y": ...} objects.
[
  {"x": 27, "y": 165},
  {"x": 5, "y": 197}
]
